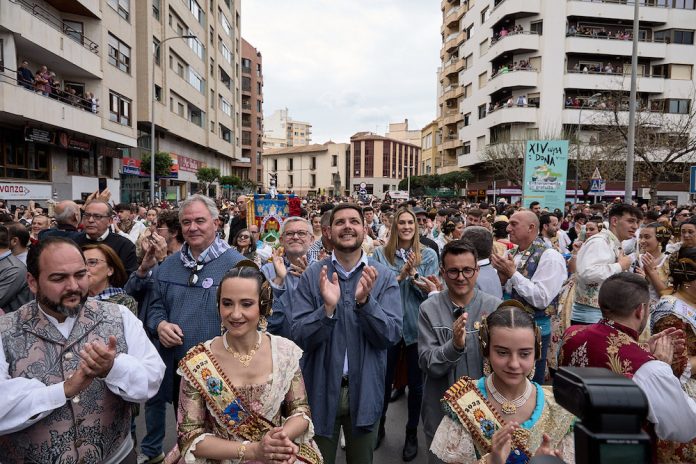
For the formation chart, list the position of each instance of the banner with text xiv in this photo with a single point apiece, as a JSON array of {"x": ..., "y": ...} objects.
[{"x": 545, "y": 171}]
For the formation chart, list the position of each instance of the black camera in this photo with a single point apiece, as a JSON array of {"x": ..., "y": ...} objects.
[{"x": 611, "y": 410}]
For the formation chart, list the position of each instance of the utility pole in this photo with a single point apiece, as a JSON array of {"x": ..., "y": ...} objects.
[{"x": 630, "y": 145}]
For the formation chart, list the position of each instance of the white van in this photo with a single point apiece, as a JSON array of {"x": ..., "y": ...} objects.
[{"x": 401, "y": 195}]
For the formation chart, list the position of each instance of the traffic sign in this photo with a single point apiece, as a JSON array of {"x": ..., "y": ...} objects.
[
  {"x": 596, "y": 175},
  {"x": 598, "y": 186},
  {"x": 692, "y": 183}
]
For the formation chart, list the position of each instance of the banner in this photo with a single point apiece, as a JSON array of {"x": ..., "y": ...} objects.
[{"x": 545, "y": 171}]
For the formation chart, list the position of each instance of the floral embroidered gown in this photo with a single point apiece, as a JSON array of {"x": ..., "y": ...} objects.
[{"x": 283, "y": 396}]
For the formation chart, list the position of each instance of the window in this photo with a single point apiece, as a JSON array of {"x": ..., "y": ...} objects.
[
  {"x": 467, "y": 90},
  {"x": 275, "y": 165},
  {"x": 290, "y": 180},
  {"x": 312, "y": 180},
  {"x": 369, "y": 158},
  {"x": 196, "y": 45},
  {"x": 156, "y": 9},
  {"x": 225, "y": 134},
  {"x": 226, "y": 26},
  {"x": 74, "y": 29},
  {"x": 685, "y": 4},
  {"x": 89, "y": 164},
  {"x": 196, "y": 10},
  {"x": 119, "y": 109},
  {"x": 467, "y": 148},
  {"x": 246, "y": 84},
  {"x": 469, "y": 61},
  {"x": 21, "y": 160},
  {"x": 258, "y": 106},
  {"x": 482, "y": 111},
  {"x": 225, "y": 106},
  {"x": 158, "y": 93},
  {"x": 467, "y": 119},
  {"x": 119, "y": 54},
  {"x": 2, "y": 56},
  {"x": 180, "y": 109},
  {"x": 678, "y": 106},
  {"x": 212, "y": 67},
  {"x": 480, "y": 142},
  {"x": 156, "y": 50},
  {"x": 246, "y": 65},
  {"x": 226, "y": 52},
  {"x": 683, "y": 37},
  {"x": 313, "y": 163},
  {"x": 122, "y": 7},
  {"x": 485, "y": 14},
  {"x": 537, "y": 27},
  {"x": 469, "y": 31},
  {"x": 483, "y": 47},
  {"x": 212, "y": 126},
  {"x": 196, "y": 80},
  {"x": 482, "y": 80},
  {"x": 195, "y": 115},
  {"x": 334, "y": 160},
  {"x": 290, "y": 164},
  {"x": 225, "y": 79},
  {"x": 258, "y": 88}
]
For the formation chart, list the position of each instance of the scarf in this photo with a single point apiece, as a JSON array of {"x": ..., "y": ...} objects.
[
  {"x": 215, "y": 250},
  {"x": 108, "y": 292}
]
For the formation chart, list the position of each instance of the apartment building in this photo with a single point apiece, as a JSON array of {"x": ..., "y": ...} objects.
[
  {"x": 57, "y": 141},
  {"x": 281, "y": 131},
  {"x": 252, "y": 114},
  {"x": 196, "y": 86},
  {"x": 317, "y": 169},
  {"x": 400, "y": 131},
  {"x": 429, "y": 141},
  {"x": 519, "y": 70},
  {"x": 381, "y": 162}
]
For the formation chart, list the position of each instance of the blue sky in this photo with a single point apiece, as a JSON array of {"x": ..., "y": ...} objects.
[{"x": 347, "y": 65}]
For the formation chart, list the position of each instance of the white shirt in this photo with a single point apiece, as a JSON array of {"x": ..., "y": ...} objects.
[
  {"x": 545, "y": 284},
  {"x": 596, "y": 261},
  {"x": 563, "y": 241},
  {"x": 135, "y": 376},
  {"x": 134, "y": 234},
  {"x": 671, "y": 410}
]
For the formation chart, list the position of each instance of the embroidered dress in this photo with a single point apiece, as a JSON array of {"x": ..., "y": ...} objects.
[
  {"x": 210, "y": 405},
  {"x": 465, "y": 433}
]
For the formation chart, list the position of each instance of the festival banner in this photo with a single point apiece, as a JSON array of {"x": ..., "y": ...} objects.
[{"x": 545, "y": 172}]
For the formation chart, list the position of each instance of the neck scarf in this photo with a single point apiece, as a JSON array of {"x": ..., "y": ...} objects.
[{"x": 215, "y": 250}]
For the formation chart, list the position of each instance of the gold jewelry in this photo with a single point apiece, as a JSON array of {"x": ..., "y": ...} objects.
[
  {"x": 244, "y": 359},
  {"x": 508, "y": 407},
  {"x": 487, "y": 368},
  {"x": 242, "y": 451},
  {"x": 263, "y": 324},
  {"x": 530, "y": 376}
]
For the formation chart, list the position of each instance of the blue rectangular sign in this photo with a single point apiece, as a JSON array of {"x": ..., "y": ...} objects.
[
  {"x": 545, "y": 170},
  {"x": 692, "y": 177}
]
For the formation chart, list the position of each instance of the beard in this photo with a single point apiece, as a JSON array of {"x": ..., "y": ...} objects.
[{"x": 58, "y": 306}]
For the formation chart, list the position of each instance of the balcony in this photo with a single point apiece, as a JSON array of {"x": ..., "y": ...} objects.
[
  {"x": 452, "y": 91},
  {"x": 514, "y": 9},
  {"x": 451, "y": 42},
  {"x": 451, "y": 17},
  {"x": 515, "y": 79},
  {"x": 48, "y": 39},
  {"x": 452, "y": 117},
  {"x": 454, "y": 65},
  {"x": 514, "y": 42},
  {"x": 649, "y": 11},
  {"x": 612, "y": 81},
  {"x": 580, "y": 43},
  {"x": 513, "y": 114},
  {"x": 451, "y": 143}
]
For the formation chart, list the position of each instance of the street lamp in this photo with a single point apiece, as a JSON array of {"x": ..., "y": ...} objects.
[
  {"x": 152, "y": 113},
  {"x": 577, "y": 151}
]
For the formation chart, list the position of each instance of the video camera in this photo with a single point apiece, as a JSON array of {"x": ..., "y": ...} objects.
[{"x": 611, "y": 410}]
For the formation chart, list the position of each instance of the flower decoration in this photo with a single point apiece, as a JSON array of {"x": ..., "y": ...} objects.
[{"x": 214, "y": 385}]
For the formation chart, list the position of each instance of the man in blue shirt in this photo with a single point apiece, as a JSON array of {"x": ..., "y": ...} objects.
[{"x": 346, "y": 313}]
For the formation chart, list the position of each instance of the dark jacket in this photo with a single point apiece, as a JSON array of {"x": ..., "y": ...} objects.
[
  {"x": 237, "y": 223},
  {"x": 124, "y": 248},
  {"x": 61, "y": 230},
  {"x": 14, "y": 291}
]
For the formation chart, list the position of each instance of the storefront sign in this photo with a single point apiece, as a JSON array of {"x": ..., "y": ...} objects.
[
  {"x": 190, "y": 164},
  {"x": 32, "y": 134},
  {"x": 79, "y": 145},
  {"x": 108, "y": 152},
  {"x": 24, "y": 191},
  {"x": 545, "y": 170},
  {"x": 130, "y": 166}
]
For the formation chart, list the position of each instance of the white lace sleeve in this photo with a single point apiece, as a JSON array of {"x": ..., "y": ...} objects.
[
  {"x": 452, "y": 443},
  {"x": 567, "y": 447},
  {"x": 308, "y": 434},
  {"x": 189, "y": 458}
]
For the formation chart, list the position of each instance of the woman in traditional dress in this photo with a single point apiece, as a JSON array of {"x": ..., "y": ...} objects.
[
  {"x": 408, "y": 260},
  {"x": 678, "y": 310},
  {"x": 652, "y": 262},
  {"x": 503, "y": 416},
  {"x": 452, "y": 229},
  {"x": 242, "y": 394},
  {"x": 107, "y": 276}
]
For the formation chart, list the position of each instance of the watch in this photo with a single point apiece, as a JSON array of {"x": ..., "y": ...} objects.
[{"x": 360, "y": 305}]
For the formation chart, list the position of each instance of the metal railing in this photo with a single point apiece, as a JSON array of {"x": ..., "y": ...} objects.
[
  {"x": 58, "y": 24},
  {"x": 512, "y": 69},
  {"x": 495, "y": 40},
  {"x": 614, "y": 73},
  {"x": 650, "y": 3},
  {"x": 623, "y": 37}
]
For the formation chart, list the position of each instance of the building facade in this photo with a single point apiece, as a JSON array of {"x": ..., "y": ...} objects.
[
  {"x": 196, "y": 87},
  {"x": 429, "y": 143},
  {"x": 400, "y": 131},
  {"x": 252, "y": 114},
  {"x": 57, "y": 140},
  {"x": 381, "y": 162},
  {"x": 318, "y": 169},
  {"x": 515, "y": 71},
  {"x": 281, "y": 131}
]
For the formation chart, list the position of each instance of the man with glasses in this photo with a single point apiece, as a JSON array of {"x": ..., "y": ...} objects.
[
  {"x": 683, "y": 214},
  {"x": 447, "y": 332},
  {"x": 289, "y": 262},
  {"x": 97, "y": 220},
  {"x": 532, "y": 274},
  {"x": 423, "y": 231},
  {"x": 183, "y": 308}
]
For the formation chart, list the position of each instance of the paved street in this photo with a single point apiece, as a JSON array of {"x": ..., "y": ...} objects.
[{"x": 388, "y": 453}]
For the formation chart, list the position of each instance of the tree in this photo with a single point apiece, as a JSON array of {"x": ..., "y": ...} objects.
[
  {"x": 664, "y": 143},
  {"x": 455, "y": 179},
  {"x": 232, "y": 181},
  {"x": 163, "y": 164},
  {"x": 207, "y": 176}
]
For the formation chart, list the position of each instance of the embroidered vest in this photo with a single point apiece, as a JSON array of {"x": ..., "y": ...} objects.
[
  {"x": 91, "y": 427},
  {"x": 527, "y": 267},
  {"x": 587, "y": 293}
]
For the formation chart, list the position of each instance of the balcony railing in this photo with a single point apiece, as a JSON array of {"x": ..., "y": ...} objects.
[
  {"x": 618, "y": 71},
  {"x": 609, "y": 35},
  {"x": 496, "y": 39},
  {"x": 516, "y": 103},
  {"x": 507, "y": 69},
  {"x": 58, "y": 24},
  {"x": 651, "y": 3}
]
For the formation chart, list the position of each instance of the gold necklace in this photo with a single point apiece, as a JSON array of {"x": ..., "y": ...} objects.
[
  {"x": 244, "y": 359},
  {"x": 507, "y": 406}
]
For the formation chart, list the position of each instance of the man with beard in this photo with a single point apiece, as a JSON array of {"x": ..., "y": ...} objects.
[
  {"x": 346, "y": 313},
  {"x": 550, "y": 232},
  {"x": 612, "y": 343},
  {"x": 70, "y": 367},
  {"x": 289, "y": 262}
]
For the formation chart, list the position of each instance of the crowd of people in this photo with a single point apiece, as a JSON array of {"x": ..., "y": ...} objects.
[
  {"x": 281, "y": 352},
  {"x": 46, "y": 83}
]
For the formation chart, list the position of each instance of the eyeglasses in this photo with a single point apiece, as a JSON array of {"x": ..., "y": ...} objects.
[
  {"x": 96, "y": 217},
  {"x": 295, "y": 233},
  {"x": 467, "y": 272},
  {"x": 92, "y": 262},
  {"x": 684, "y": 214},
  {"x": 193, "y": 278},
  {"x": 244, "y": 237},
  {"x": 421, "y": 219}
]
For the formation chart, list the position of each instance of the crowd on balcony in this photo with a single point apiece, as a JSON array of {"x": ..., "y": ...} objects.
[
  {"x": 522, "y": 65},
  {"x": 598, "y": 33},
  {"x": 506, "y": 31},
  {"x": 603, "y": 103},
  {"x": 510, "y": 102},
  {"x": 46, "y": 83}
]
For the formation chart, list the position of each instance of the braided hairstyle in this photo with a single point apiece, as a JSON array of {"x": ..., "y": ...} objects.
[
  {"x": 509, "y": 314},
  {"x": 247, "y": 269},
  {"x": 682, "y": 267}
]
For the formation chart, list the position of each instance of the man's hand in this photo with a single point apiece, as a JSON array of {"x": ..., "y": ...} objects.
[
  {"x": 624, "y": 261},
  {"x": 98, "y": 357},
  {"x": 170, "y": 334},
  {"x": 367, "y": 281},
  {"x": 298, "y": 266},
  {"x": 279, "y": 266},
  {"x": 664, "y": 350},
  {"x": 78, "y": 381},
  {"x": 505, "y": 266},
  {"x": 459, "y": 332},
  {"x": 676, "y": 337},
  {"x": 330, "y": 291}
]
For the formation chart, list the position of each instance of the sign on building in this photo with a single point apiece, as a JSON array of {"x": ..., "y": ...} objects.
[
  {"x": 25, "y": 191},
  {"x": 545, "y": 171}
]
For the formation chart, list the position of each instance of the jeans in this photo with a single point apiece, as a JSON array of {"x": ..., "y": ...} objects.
[
  {"x": 540, "y": 366},
  {"x": 415, "y": 381},
  {"x": 155, "y": 416},
  {"x": 359, "y": 447}
]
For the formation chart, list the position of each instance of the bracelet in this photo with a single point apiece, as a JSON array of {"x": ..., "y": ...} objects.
[{"x": 242, "y": 450}]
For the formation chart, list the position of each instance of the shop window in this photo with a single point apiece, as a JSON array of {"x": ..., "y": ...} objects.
[{"x": 23, "y": 160}]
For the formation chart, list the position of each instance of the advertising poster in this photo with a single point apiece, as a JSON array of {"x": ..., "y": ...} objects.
[{"x": 545, "y": 172}]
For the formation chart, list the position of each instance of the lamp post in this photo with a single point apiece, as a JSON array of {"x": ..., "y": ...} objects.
[
  {"x": 630, "y": 143},
  {"x": 152, "y": 113},
  {"x": 577, "y": 151}
]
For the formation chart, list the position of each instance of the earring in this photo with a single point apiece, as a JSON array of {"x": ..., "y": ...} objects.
[
  {"x": 487, "y": 368},
  {"x": 530, "y": 376},
  {"x": 263, "y": 324}
]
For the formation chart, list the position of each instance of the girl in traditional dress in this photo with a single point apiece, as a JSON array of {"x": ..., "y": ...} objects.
[
  {"x": 503, "y": 417},
  {"x": 242, "y": 396},
  {"x": 652, "y": 262}
]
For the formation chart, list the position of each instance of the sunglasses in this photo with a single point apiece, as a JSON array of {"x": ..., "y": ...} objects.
[{"x": 193, "y": 278}]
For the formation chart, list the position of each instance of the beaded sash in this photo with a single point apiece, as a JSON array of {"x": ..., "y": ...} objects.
[
  {"x": 463, "y": 402},
  {"x": 201, "y": 369}
]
